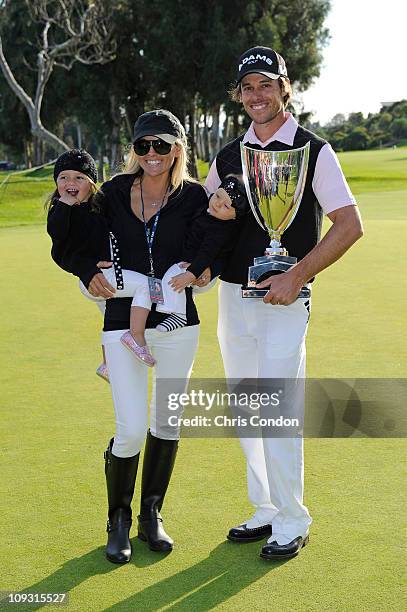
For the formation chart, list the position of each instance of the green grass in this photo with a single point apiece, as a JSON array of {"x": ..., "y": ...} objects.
[
  {"x": 377, "y": 170},
  {"x": 384, "y": 171},
  {"x": 57, "y": 416},
  {"x": 22, "y": 197},
  {"x": 203, "y": 169}
]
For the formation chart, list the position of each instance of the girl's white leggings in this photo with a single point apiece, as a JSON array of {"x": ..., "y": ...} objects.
[{"x": 136, "y": 287}]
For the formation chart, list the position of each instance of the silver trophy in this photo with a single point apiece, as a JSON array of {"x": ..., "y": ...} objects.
[{"x": 275, "y": 182}]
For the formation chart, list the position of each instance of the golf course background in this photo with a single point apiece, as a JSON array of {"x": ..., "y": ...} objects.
[{"x": 57, "y": 417}]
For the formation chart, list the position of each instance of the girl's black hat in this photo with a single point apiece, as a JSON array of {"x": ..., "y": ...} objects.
[{"x": 79, "y": 160}]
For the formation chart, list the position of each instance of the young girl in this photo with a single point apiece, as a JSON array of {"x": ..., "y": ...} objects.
[{"x": 81, "y": 238}]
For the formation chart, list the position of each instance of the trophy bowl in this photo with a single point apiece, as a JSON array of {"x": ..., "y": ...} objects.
[{"x": 274, "y": 182}]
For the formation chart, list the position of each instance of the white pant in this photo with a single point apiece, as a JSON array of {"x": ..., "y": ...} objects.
[
  {"x": 260, "y": 340},
  {"x": 136, "y": 287},
  {"x": 175, "y": 353}
]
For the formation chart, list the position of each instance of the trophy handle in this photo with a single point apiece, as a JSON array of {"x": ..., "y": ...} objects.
[
  {"x": 300, "y": 185},
  {"x": 248, "y": 190}
]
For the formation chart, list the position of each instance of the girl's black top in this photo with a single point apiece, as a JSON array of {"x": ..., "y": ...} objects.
[
  {"x": 80, "y": 238},
  {"x": 185, "y": 232}
]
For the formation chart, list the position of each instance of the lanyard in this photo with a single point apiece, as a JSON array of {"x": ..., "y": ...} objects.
[{"x": 150, "y": 233}]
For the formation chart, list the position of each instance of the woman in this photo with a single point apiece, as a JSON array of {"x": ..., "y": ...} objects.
[{"x": 158, "y": 217}]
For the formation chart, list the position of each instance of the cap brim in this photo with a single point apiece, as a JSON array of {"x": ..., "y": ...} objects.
[
  {"x": 166, "y": 137},
  {"x": 269, "y": 75}
]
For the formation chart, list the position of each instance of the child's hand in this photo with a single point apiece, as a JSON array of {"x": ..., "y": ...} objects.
[
  {"x": 68, "y": 199},
  {"x": 181, "y": 281},
  {"x": 204, "y": 279}
]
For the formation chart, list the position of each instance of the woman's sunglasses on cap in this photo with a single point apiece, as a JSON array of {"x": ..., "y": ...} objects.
[{"x": 142, "y": 147}]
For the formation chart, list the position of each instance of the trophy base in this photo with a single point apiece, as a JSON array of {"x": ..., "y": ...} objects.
[
  {"x": 249, "y": 292},
  {"x": 264, "y": 267}
]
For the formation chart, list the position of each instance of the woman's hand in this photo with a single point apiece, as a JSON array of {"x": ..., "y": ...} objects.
[
  {"x": 220, "y": 206},
  {"x": 204, "y": 279},
  {"x": 181, "y": 281},
  {"x": 99, "y": 286}
]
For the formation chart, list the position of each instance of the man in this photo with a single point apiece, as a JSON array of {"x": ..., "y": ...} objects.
[{"x": 266, "y": 338}]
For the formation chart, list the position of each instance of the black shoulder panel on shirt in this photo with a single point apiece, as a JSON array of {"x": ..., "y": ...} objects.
[
  {"x": 251, "y": 240},
  {"x": 228, "y": 160},
  {"x": 302, "y": 136}
]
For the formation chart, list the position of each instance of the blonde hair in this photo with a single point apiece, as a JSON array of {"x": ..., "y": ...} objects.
[
  {"x": 235, "y": 92},
  {"x": 53, "y": 198},
  {"x": 178, "y": 174}
]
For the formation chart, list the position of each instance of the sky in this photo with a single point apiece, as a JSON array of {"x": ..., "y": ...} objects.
[{"x": 365, "y": 60}]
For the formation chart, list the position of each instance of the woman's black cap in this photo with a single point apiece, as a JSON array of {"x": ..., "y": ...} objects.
[{"x": 161, "y": 123}]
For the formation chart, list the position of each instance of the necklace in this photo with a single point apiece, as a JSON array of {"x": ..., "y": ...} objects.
[
  {"x": 161, "y": 204},
  {"x": 154, "y": 204}
]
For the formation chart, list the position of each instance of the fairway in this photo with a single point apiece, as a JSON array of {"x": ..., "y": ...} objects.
[{"x": 57, "y": 417}]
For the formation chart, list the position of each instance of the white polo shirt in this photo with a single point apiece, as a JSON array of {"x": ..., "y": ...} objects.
[{"x": 329, "y": 183}]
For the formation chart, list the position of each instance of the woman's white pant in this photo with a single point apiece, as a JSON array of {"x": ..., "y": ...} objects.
[
  {"x": 175, "y": 353},
  {"x": 260, "y": 340},
  {"x": 136, "y": 287}
]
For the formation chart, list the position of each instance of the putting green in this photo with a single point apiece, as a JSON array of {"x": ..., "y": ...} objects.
[{"x": 57, "y": 417}]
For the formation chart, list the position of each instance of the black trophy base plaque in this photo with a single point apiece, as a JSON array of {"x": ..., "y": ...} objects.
[{"x": 265, "y": 266}]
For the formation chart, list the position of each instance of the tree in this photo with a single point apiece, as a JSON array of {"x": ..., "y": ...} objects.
[
  {"x": 337, "y": 120},
  {"x": 69, "y": 31},
  {"x": 384, "y": 121},
  {"x": 356, "y": 119},
  {"x": 399, "y": 128},
  {"x": 357, "y": 139},
  {"x": 170, "y": 53},
  {"x": 190, "y": 76},
  {"x": 336, "y": 139}
]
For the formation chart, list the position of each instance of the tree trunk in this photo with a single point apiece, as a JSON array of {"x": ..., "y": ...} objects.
[
  {"x": 27, "y": 153},
  {"x": 236, "y": 126},
  {"x": 39, "y": 131},
  {"x": 36, "y": 152},
  {"x": 199, "y": 145},
  {"x": 101, "y": 165},
  {"x": 193, "y": 166},
  {"x": 205, "y": 139},
  {"x": 226, "y": 135},
  {"x": 214, "y": 139},
  {"x": 78, "y": 134},
  {"x": 129, "y": 127},
  {"x": 115, "y": 147},
  {"x": 33, "y": 110}
]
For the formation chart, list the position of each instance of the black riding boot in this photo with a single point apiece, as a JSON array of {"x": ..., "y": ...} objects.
[
  {"x": 120, "y": 479},
  {"x": 159, "y": 459}
]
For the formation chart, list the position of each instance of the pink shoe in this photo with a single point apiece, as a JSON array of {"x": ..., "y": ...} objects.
[
  {"x": 141, "y": 352},
  {"x": 103, "y": 372}
]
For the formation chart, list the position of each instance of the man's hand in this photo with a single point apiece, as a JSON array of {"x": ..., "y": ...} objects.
[
  {"x": 284, "y": 288},
  {"x": 220, "y": 206},
  {"x": 99, "y": 286},
  {"x": 181, "y": 281},
  {"x": 345, "y": 230}
]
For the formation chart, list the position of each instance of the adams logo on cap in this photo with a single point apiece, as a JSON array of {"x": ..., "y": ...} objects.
[
  {"x": 252, "y": 59},
  {"x": 262, "y": 60}
]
